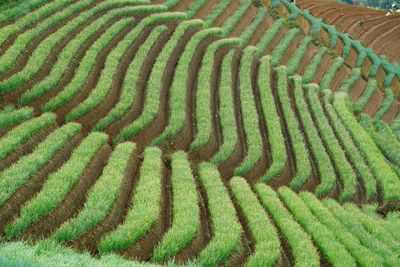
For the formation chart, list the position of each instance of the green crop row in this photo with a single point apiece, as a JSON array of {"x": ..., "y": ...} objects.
[
  {"x": 194, "y": 8},
  {"x": 226, "y": 112},
  {"x": 311, "y": 69},
  {"x": 282, "y": 47},
  {"x": 347, "y": 84},
  {"x": 268, "y": 36},
  {"x": 249, "y": 114},
  {"x": 105, "y": 82},
  {"x": 362, "y": 101},
  {"x": 34, "y": 16},
  {"x": 304, "y": 252},
  {"x": 387, "y": 103},
  {"x": 325, "y": 239},
  {"x": 14, "y": 116},
  {"x": 383, "y": 138},
  {"x": 272, "y": 121},
  {"x": 13, "y": 10},
  {"x": 185, "y": 210},
  {"x": 68, "y": 53},
  {"x": 179, "y": 87},
  {"x": 246, "y": 35},
  {"x": 298, "y": 55},
  {"x": 326, "y": 81},
  {"x": 356, "y": 228},
  {"x": 344, "y": 168},
  {"x": 11, "y": 55},
  {"x": 301, "y": 156},
  {"x": 266, "y": 241},
  {"x": 396, "y": 127},
  {"x": 326, "y": 171},
  {"x": 154, "y": 85},
  {"x": 57, "y": 184},
  {"x": 19, "y": 134},
  {"x": 128, "y": 91},
  {"x": 145, "y": 210},
  {"x": 353, "y": 152},
  {"x": 15, "y": 175},
  {"x": 375, "y": 227},
  {"x": 203, "y": 94},
  {"x": 216, "y": 12},
  {"x": 39, "y": 56},
  {"x": 85, "y": 66},
  {"x": 225, "y": 227},
  {"x": 101, "y": 196},
  {"x": 387, "y": 179},
  {"x": 232, "y": 21},
  {"x": 363, "y": 256}
]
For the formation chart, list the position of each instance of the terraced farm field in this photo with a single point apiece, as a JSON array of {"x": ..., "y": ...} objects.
[
  {"x": 201, "y": 133},
  {"x": 371, "y": 27}
]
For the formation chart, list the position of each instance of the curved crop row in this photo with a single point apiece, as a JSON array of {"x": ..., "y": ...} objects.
[
  {"x": 271, "y": 117},
  {"x": 386, "y": 177},
  {"x": 19, "y": 134},
  {"x": 57, "y": 184},
  {"x": 225, "y": 226},
  {"x": 266, "y": 241},
  {"x": 136, "y": 225},
  {"x": 11, "y": 117},
  {"x": 249, "y": 114},
  {"x": 302, "y": 158},
  {"x": 203, "y": 94},
  {"x": 101, "y": 196},
  {"x": 185, "y": 209},
  {"x": 154, "y": 85},
  {"x": 345, "y": 170},
  {"x": 324, "y": 164},
  {"x": 15, "y": 175},
  {"x": 178, "y": 89}
]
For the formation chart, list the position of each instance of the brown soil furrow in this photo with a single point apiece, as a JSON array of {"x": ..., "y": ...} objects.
[
  {"x": 360, "y": 197},
  {"x": 374, "y": 103},
  {"x": 11, "y": 208},
  {"x": 227, "y": 167},
  {"x": 142, "y": 249},
  {"x": 26, "y": 147},
  {"x": 208, "y": 150},
  {"x": 184, "y": 138},
  {"x": 114, "y": 128},
  {"x": 267, "y": 22},
  {"x": 265, "y": 161},
  {"x": 14, "y": 95},
  {"x": 291, "y": 50},
  {"x": 88, "y": 241},
  {"x": 357, "y": 89},
  {"x": 25, "y": 55},
  {"x": 70, "y": 71},
  {"x": 392, "y": 113},
  {"x": 182, "y": 6},
  {"x": 73, "y": 201},
  {"x": 206, "y": 9},
  {"x": 311, "y": 51},
  {"x": 342, "y": 74},
  {"x": 147, "y": 135},
  {"x": 226, "y": 14},
  {"x": 287, "y": 174},
  {"x": 7, "y": 43},
  {"x": 324, "y": 65},
  {"x": 93, "y": 77},
  {"x": 89, "y": 119},
  {"x": 276, "y": 40},
  {"x": 245, "y": 21},
  {"x": 315, "y": 177},
  {"x": 202, "y": 237}
]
